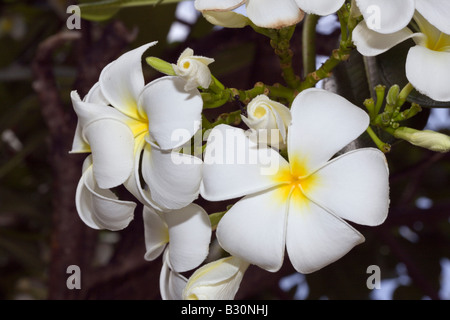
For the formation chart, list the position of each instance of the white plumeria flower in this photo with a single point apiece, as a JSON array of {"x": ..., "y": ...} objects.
[
  {"x": 218, "y": 280},
  {"x": 302, "y": 204},
  {"x": 273, "y": 14},
  {"x": 270, "y": 119},
  {"x": 193, "y": 69},
  {"x": 122, "y": 121},
  {"x": 186, "y": 232},
  {"x": 100, "y": 208},
  {"x": 387, "y": 16},
  {"x": 427, "y": 63}
]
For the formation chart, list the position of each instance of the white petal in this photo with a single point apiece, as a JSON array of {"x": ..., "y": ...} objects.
[
  {"x": 188, "y": 52},
  {"x": 173, "y": 178},
  {"x": 156, "y": 233},
  {"x": 371, "y": 43},
  {"x": 190, "y": 235},
  {"x": 218, "y": 280},
  {"x": 322, "y": 124},
  {"x": 436, "y": 12},
  {"x": 100, "y": 209},
  {"x": 320, "y": 7},
  {"x": 354, "y": 186},
  {"x": 387, "y": 16},
  {"x": 79, "y": 145},
  {"x": 89, "y": 112},
  {"x": 133, "y": 183},
  {"x": 235, "y": 166},
  {"x": 283, "y": 115},
  {"x": 202, "y": 5},
  {"x": 254, "y": 229},
  {"x": 122, "y": 81},
  {"x": 112, "y": 144},
  {"x": 429, "y": 72},
  {"x": 96, "y": 96},
  {"x": 174, "y": 114},
  {"x": 316, "y": 238},
  {"x": 171, "y": 283},
  {"x": 273, "y": 14}
]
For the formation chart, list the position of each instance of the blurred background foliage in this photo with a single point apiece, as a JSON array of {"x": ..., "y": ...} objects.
[{"x": 41, "y": 234}]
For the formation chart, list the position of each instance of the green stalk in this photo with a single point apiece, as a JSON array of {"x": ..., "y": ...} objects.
[
  {"x": 383, "y": 146},
  {"x": 280, "y": 42},
  {"x": 338, "y": 55},
  {"x": 403, "y": 95},
  {"x": 309, "y": 43}
]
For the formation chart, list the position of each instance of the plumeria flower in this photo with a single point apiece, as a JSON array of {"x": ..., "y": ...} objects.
[
  {"x": 269, "y": 118},
  {"x": 218, "y": 280},
  {"x": 184, "y": 236},
  {"x": 427, "y": 63},
  {"x": 272, "y": 14},
  {"x": 301, "y": 205},
  {"x": 123, "y": 121},
  {"x": 185, "y": 232},
  {"x": 194, "y": 69},
  {"x": 387, "y": 16}
]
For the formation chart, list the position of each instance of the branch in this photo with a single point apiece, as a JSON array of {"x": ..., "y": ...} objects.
[{"x": 72, "y": 243}]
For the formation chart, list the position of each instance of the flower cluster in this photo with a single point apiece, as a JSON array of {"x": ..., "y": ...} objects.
[
  {"x": 294, "y": 188},
  {"x": 428, "y": 63}
]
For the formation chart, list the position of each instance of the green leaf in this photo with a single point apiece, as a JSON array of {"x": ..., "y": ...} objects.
[
  {"x": 104, "y": 10},
  {"x": 349, "y": 79}
]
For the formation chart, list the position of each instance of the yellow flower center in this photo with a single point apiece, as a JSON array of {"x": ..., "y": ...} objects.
[
  {"x": 138, "y": 125},
  {"x": 259, "y": 112},
  {"x": 186, "y": 65},
  {"x": 435, "y": 39},
  {"x": 295, "y": 181}
]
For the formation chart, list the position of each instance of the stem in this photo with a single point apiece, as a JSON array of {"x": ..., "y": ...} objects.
[
  {"x": 280, "y": 42},
  {"x": 383, "y": 146},
  {"x": 232, "y": 118},
  {"x": 380, "y": 92},
  {"x": 276, "y": 92},
  {"x": 403, "y": 95},
  {"x": 338, "y": 55},
  {"x": 309, "y": 43}
]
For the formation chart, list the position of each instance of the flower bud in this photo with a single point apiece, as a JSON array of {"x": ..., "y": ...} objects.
[
  {"x": 392, "y": 95},
  {"x": 194, "y": 69},
  {"x": 428, "y": 139},
  {"x": 218, "y": 280},
  {"x": 160, "y": 65},
  {"x": 270, "y": 119}
]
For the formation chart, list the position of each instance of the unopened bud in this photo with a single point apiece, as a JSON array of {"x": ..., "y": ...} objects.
[
  {"x": 392, "y": 95},
  {"x": 160, "y": 65},
  {"x": 428, "y": 139}
]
